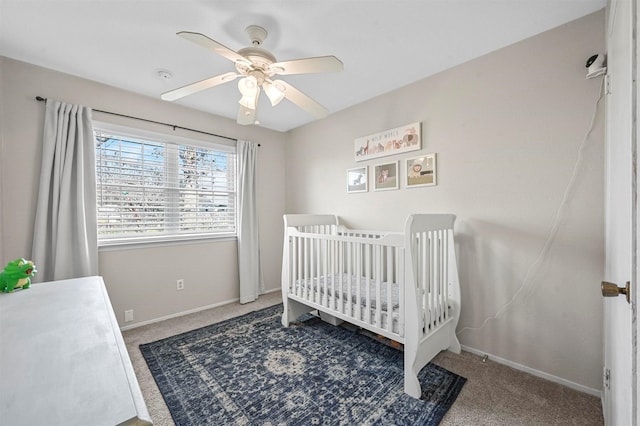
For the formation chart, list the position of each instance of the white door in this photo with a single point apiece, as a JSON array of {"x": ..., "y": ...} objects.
[
  {"x": 620, "y": 376},
  {"x": 635, "y": 298}
]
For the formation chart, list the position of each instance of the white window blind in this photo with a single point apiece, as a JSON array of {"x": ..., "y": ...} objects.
[{"x": 149, "y": 190}]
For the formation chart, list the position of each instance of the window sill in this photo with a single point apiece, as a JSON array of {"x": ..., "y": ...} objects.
[{"x": 142, "y": 243}]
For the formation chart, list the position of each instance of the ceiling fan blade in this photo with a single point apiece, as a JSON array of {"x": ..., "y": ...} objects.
[
  {"x": 189, "y": 89},
  {"x": 307, "y": 65},
  {"x": 301, "y": 100},
  {"x": 214, "y": 46},
  {"x": 246, "y": 116}
]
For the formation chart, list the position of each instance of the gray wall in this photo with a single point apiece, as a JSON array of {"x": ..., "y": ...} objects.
[
  {"x": 506, "y": 129},
  {"x": 141, "y": 279}
]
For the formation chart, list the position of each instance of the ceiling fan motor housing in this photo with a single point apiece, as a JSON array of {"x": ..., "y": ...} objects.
[{"x": 260, "y": 59}]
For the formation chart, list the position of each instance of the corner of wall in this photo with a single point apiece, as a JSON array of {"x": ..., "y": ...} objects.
[{"x": 2, "y": 168}]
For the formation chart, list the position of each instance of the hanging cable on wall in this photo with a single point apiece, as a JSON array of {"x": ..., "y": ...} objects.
[{"x": 554, "y": 229}]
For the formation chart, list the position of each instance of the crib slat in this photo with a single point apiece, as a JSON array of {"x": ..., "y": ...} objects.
[
  {"x": 319, "y": 292},
  {"x": 291, "y": 279},
  {"x": 432, "y": 277},
  {"x": 443, "y": 267},
  {"x": 440, "y": 273},
  {"x": 424, "y": 258},
  {"x": 313, "y": 280},
  {"x": 308, "y": 260},
  {"x": 445, "y": 272},
  {"x": 323, "y": 265},
  {"x": 340, "y": 274},
  {"x": 318, "y": 274},
  {"x": 358, "y": 281},
  {"x": 295, "y": 279},
  {"x": 390, "y": 280},
  {"x": 368, "y": 275},
  {"x": 301, "y": 266},
  {"x": 332, "y": 262},
  {"x": 401, "y": 281},
  {"x": 378, "y": 251},
  {"x": 349, "y": 261},
  {"x": 365, "y": 283},
  {"x": 438, "y": 277},
  {"x": 426, "y": 255}
]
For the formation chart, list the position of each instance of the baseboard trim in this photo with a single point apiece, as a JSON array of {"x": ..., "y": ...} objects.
[
  {"x": 534, "y": 372},
  {"x": 177, "y": 314},
  {"x": 190, "y": 311}
]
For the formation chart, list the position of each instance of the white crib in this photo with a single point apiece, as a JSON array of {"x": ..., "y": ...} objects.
[{"x": 403, "y": 286}]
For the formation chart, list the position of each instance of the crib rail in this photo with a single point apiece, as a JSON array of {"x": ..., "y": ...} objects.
[{"x": 351, "y": 274}]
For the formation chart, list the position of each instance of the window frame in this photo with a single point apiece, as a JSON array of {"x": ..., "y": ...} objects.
[{"x": 212, "y": 143}]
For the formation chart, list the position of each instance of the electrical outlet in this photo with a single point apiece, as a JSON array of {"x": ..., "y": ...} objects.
[
  {"x": 180, "y": 284},
  {"x": 128, "y": 315}
]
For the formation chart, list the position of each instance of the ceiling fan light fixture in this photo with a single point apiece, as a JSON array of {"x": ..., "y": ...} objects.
[
  {"x": 274, "y": 93},
  {"x": 248, "y": 86},
  {"x": 249, "y": 101},
  {"x": 249, "y": 89}
]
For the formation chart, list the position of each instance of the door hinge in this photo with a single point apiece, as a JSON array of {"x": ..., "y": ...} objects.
[
  {"x": 607, "y": 378},
  {"x": 607, "y": 84}
]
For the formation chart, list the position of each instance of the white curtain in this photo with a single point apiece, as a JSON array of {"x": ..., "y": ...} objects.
[
  {"x": 65, "y": 241},
  {"x": 251, "y": 283}
]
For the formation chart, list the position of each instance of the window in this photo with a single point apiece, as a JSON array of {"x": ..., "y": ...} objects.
[{"x": 156, "y": 187}]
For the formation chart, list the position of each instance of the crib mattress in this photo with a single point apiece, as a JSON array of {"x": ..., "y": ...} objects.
[
  {"x": 313, "y": 289},
  {"x": 351, "y": 283}
]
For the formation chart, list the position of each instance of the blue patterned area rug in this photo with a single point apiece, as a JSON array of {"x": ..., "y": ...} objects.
[{"x": 252, "y": 371}]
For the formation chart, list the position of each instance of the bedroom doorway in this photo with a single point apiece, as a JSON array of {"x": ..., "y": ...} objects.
[{"x": 620, "y": 375}]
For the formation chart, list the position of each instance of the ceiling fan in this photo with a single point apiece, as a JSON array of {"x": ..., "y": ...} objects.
[{"x": 257, "y": 67}]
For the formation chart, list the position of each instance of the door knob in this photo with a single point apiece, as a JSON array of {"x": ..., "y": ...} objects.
[{"x": 612, "y": 290}]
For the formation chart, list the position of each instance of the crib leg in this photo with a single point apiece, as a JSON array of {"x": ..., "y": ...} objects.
[
  {"x": 285, "y": 311},
  {"x": 411, "y": 383},
  {"x": 455, "y": 343},
  {"x": 292, "y": 311}
]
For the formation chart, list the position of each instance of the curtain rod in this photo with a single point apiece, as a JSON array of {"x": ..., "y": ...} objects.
[{"x": 41, "y": 99}]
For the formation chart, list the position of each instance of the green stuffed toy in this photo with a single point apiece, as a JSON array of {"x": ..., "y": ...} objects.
[{"x": 17, "y": 274}]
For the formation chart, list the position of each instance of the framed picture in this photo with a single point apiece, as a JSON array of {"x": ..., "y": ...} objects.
[
  {"x": 357, "y": 180},
  {"x": 421, "y": 171},
  {"x": 385, "y": 176},
  {"x": 390, "y": 142}
]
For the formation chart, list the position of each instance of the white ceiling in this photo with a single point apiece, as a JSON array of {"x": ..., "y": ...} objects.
[{"x": 384, "y": 44}]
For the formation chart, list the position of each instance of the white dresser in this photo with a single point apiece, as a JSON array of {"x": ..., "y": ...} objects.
[{"x": 63, "y": 360}]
